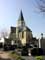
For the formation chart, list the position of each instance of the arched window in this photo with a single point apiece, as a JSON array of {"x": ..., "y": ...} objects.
[{"x": 23, "y": 34}]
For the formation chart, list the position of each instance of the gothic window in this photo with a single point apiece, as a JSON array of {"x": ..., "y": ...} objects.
[{"x": 22, "y": 34}]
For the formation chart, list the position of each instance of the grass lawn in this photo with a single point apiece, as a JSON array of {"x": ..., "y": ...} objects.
[
  {"x": 15, "y": 56},
  {"x": 39, "y": 57}
]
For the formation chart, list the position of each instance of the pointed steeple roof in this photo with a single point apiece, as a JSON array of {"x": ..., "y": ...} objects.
[{"x": 21, "y": 16}]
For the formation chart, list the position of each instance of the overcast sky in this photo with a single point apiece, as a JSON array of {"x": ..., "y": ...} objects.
[{"x": 9, "y": 14}]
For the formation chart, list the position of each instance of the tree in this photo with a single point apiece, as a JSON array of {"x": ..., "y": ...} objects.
[
  {"x": 41, "y": 5},
  {"x": 5, "y": 33}
]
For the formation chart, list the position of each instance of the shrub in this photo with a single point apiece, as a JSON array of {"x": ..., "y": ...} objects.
[
  {"x": 39, "y": 58},
  {"x": 37, "y": 51},
  {"x": 15, "y": 56}
]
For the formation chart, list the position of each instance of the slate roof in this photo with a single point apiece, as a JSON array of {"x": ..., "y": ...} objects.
[
  {"x": 13, "y": 29},
  {"x": 27, "y": 29},
  {"x": 21, "y": 18}
]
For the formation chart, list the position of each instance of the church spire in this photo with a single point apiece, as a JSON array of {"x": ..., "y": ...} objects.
[
  {"x": 21, "y": 16},
  {"x": 21, "y": 22}
]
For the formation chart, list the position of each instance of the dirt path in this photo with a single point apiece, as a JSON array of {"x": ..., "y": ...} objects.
[{"x": 4, "y": 55}]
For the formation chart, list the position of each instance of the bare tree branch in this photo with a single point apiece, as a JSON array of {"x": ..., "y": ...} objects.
[
  {"x": 5, "y": 33},
  {"x": 41, "y": 5}
]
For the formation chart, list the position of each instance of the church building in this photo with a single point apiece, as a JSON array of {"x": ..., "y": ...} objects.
[{"x": 21, "y": 34}]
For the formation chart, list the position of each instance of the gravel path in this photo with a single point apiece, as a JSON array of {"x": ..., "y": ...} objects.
[{"x": 4, "y": 55}]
